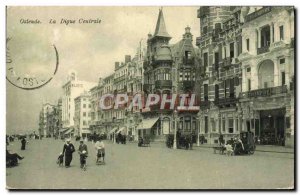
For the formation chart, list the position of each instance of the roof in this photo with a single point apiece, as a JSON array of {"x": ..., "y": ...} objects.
[{"x": 161, "y": 30}]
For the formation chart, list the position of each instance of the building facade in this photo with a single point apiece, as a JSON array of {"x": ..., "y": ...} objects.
[
  {"x": 72, "y": 89},
  {"x": 168, "y": 69},
  {"x": 82, "y": 116},
  {"x": 267, "y": 98},
  {"x": 247, "y": 72}
]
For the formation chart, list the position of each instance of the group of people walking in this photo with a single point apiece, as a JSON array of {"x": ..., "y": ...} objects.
[{"x": 69, "y": 149}]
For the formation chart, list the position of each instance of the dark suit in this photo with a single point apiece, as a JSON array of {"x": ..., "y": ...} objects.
[{"x": 68, "y": 151}]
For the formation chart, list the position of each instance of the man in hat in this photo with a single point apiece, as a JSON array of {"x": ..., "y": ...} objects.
[
  {"x": 83, "y": 152},
  {"x": 68, "y": 152}
]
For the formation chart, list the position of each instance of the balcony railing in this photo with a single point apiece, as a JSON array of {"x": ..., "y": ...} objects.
[
  {"x": 226, "y": 101},
  {"x": 262, "y": 50},
  {"x": 188, "y": 84},
  {"x": 258, "y": 13},
  {"x": 264, "y": 92},
  {"x": 163, "y": 84}
]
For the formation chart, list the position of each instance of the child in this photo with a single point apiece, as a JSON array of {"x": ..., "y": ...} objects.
[
  {"x": 83, "y": 156},
  {"x": 60, "y": 159},
  {"x": 229, "y": 149}
]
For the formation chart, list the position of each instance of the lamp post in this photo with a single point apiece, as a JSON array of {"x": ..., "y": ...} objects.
[
  {"x": 198, "y": 131},
  {"x": 175, "y": 130}
]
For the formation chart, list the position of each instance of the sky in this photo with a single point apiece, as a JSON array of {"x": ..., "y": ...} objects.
[{"x": 89, "y": 49}]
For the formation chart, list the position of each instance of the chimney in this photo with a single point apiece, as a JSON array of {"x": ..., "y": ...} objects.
[
  {"x": 127, "y": 58},
  {"x": 117, "y": 65},
  {"x": 100, "y": 81}
]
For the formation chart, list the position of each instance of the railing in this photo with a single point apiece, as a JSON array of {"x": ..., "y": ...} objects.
[
  {"x": 263, "y": 50},
  {"x": 226, "y": 62},
  {"x": 225, "y": 101},
  {"x": 258, "y": 13},
  {"x": 188, "y": 84},
  {"x": 163, "y": 84},
  {"x": 264, "y": 92}
]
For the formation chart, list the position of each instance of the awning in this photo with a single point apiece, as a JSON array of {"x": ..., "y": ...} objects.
[
  {"x": 69, "y": 131},
  {"x": 147, "y": 123},
  {"x": 122, "y": 129},
  {"x": 113, "y": 130}
]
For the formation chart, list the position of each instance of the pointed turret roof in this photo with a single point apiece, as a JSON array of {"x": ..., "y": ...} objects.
[{"x": 160, "y": 30}]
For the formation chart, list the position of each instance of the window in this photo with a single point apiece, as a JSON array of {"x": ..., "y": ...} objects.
[
  {"x": 283, "y": 78},
  {"x": 282, "y": 61},
  {"x": 216, "y": 61},
  {"x": 90, "y": 106},
  {"x": 205, "y": 92},
  {"x": 187, "y": 121},
  {"x": 217, "y": 27},
  {"x": 205, "y": 60},
  {"x": 248, "y": 44},
  {"x": 230, "y": 125},
  {"x": 249, "y": 84},
  {"x": 188, "y": 55},
  {"x": 206, "y": 124},
  {"x": 180, "y": 76},
  {"x": 281, "y": 34},
  {"x": 84, "y": 105},
  {"x": 231, "y": 50},
  {"x": 84, "y": 113},
  {"x": 265, "y": 84},
  {"x": 223, "y": 124},
  {"x": 216, "y": 92},
  {"x": 204, "y": 30},
  {"x": 212, "y": 122},
  {"x": 248, "y": 69},
  {"x": 231, "y": 88},
  {"x": 187, "y": 76},
  {"x": 84, "y": 122}
]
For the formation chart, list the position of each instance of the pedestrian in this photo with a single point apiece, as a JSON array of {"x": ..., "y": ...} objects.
[
  {"x": 83, "y": 152},
  {"x": 12, "y": 159},
  {"x": 23, "y": 142},
  {"x": 68, "y": 152},
  {"x": 100, "y": 149}
]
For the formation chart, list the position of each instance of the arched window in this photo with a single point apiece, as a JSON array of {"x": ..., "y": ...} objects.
[{"x": 266, "y": 74}]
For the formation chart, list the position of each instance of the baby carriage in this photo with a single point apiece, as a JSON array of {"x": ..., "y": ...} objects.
[{"x": 100, "y": 154}]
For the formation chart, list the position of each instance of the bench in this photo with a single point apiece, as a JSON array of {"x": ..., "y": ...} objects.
[{"x": 221, "y": 149}]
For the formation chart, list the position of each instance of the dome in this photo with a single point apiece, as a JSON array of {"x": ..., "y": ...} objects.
[{"x": 164, "y": 53}]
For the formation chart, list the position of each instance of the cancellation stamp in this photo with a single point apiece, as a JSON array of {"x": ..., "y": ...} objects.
[{"x": 19, "y": 60}]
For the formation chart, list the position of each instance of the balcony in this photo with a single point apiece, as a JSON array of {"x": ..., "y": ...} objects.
[
  {"x": 257, "y": 13},
  {"x": 188, "y": 85},
  {"x": 225, "y": 101},
  {"x": 226, "y": 62},
  {"x": 163, "y": 84},
  {"x": 262, "y": 50},
  {"x": 264, "y": 92}
]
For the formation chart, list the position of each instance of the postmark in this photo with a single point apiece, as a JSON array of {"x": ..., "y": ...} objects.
[{"x": 30, "y": 74}]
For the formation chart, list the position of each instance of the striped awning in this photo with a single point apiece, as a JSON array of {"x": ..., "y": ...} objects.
[
  {"x": 63, "y": 130},
  {"x": 69, "y": 131},
  {"x": 147, "y": 123},
  {"x": 113, "y": 130}
]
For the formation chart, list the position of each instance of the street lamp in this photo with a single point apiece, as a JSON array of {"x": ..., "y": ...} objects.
[{"x": 175, "y": 130}]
